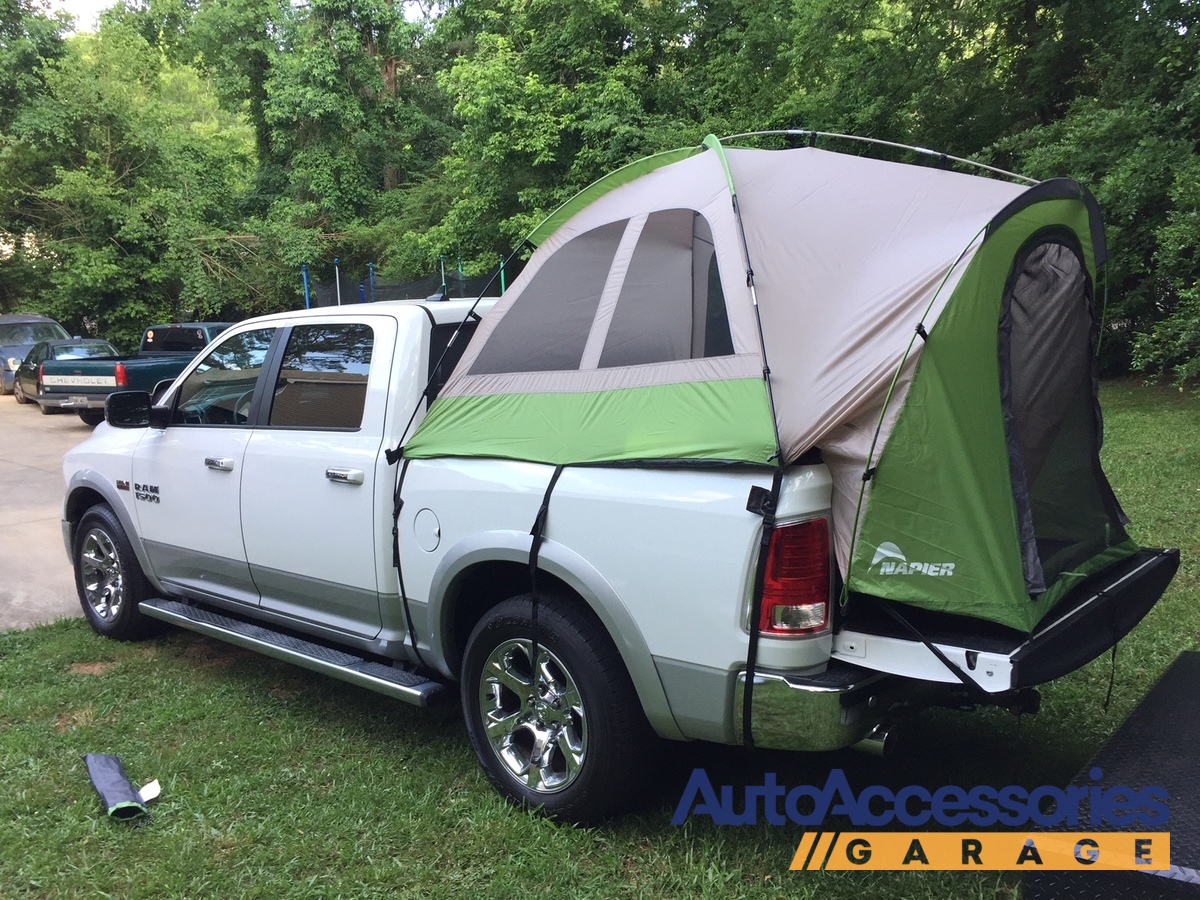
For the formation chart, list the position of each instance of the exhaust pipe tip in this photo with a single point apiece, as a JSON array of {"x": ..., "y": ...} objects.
[{"x": 878, "y": 741}]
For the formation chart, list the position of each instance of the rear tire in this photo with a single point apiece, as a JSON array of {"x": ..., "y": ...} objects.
[
  {"x": 565, "y": 734},
  {"x": 109, "y": 579},
  {"x": 47, "y": 410},
  {"x": 91, "y": 417},
  {"x": 18, "y": 394}
]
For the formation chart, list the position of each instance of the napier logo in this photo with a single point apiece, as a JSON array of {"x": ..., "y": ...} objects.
[{"x": 890, "y": 560}]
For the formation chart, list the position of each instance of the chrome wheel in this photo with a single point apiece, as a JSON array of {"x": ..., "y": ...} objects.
[
  {"x": 533, "y": 716},
  {"x": 101, "y": 576}
]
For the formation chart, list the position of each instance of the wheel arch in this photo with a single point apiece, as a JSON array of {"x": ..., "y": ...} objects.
[
  {"x": 485, "y": 570},
  {"x": 84, "y": 491}
]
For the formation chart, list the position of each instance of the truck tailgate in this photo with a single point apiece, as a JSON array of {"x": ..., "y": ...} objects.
[{"x": 1088, "y": 621}]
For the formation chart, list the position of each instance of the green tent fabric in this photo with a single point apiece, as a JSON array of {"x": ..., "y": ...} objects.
[
  {"x": 950, "y": 441},
  {"x": 636, "y": 332}
]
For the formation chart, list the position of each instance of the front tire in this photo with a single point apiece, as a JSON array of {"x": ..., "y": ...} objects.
[
  {"x": 109, "y": 578},
  {"x": 565, "y": 732}
]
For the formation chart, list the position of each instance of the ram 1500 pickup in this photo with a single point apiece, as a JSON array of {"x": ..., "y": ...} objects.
[
  {"x": 84, "y": 384},
  {"x": 255, "y": 503},
  {"x": 761, "y": 447}
]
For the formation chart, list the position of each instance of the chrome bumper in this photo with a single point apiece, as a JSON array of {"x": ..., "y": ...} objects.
[{"x": 814, "y": 713}]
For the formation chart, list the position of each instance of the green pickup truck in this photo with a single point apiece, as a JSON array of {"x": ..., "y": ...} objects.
[{"x": 83, "y": 385}]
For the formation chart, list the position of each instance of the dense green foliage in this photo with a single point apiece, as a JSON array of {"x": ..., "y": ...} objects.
[{"x": 187, "y": 158}]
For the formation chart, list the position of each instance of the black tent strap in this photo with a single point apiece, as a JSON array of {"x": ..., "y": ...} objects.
[
  {"x": 538, "y": 534},
  {"x": 972, "y": 686},
  {"x": 763, "y": 503},
  {"x": 1112, "y": 662},
  {"x": 397, "y": 506},
  {"x": 922, "y": 332},
  {"x": 539, "y": 526}
]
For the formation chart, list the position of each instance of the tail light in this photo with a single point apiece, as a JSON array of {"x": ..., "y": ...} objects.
[
  {"x": 41, "y": 367},
  {"x": 122, "y": 377},
  {"x": 796, "y": 584}
]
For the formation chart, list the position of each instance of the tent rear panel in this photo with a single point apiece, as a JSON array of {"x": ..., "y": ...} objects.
[{"x": 989, "y": 500}]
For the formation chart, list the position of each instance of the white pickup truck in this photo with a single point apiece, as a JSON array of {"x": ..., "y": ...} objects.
[{"x": 583, "y": 609}]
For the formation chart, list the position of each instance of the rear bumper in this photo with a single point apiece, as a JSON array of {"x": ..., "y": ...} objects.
[
  {"x": 829, "y": 711},
  {"x": 841, "y": 706},
  {"x": 73, "y": 401}
]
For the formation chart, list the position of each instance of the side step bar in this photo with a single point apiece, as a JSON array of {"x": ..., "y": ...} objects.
[{"x": 374, "y": 676}]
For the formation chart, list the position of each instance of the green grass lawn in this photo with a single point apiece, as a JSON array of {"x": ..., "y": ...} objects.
[{"x": 277, "y": 782}]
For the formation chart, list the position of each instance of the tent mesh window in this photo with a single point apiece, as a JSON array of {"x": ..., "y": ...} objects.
[
  {"x": 639, "y": 291},
  {"x": 671, "y": 305},
  {"x": 1066, "y": 510},
  {"x": 546, "y": 330}
]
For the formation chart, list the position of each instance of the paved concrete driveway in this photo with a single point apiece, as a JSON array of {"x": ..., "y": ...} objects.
[{"x": 36, "y": 583}]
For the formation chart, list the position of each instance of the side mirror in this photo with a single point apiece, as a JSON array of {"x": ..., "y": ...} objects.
[{"x": 132, "y": 409}]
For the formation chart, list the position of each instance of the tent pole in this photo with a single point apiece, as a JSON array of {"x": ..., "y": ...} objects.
[
  {"x": 869, "y": 471},
  {"x": 767, "y": 506},
  {"x": 941, "y": 158},
  {"x": 397, "y": 453}
]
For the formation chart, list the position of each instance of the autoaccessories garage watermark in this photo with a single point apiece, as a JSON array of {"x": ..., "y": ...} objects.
[{"x": 1013, "y": 806}]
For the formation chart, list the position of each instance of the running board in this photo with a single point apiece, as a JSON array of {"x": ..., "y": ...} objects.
[{"x": 375, "y": 676}]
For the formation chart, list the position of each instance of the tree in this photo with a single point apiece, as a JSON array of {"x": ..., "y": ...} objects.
[{"x": 111, "y": 173}]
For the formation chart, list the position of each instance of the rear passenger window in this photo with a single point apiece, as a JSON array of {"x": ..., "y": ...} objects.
[
  {"x": 323, "y": 380},
  {"x": 444, "y": 355}
]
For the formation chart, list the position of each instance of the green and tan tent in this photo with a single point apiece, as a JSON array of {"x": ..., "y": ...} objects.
[{"x": 931, "y": 333}]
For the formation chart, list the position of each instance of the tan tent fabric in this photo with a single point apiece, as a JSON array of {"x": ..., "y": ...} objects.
[{"x": 873, "y": 244}]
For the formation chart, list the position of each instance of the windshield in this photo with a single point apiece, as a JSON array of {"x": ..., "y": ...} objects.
[
  {"x": 30, "y": 333},
  {"x": 86, "y": 351}
]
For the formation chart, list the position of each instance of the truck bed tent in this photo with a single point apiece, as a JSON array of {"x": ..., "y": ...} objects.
[{"x": 932, "y": 333}]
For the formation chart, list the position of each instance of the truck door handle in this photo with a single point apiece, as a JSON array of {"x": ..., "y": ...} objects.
[
  {"x": 345, "y": 476},
  {"x": 220, "y": 463}
]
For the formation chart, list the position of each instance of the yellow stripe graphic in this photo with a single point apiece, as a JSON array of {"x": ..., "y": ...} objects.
[
  {"x": 804, "y": 850},
  {"x": 983, "y": 851}
]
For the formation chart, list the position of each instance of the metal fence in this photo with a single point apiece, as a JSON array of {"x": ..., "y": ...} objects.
[{"x": 344, "y": 289}]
